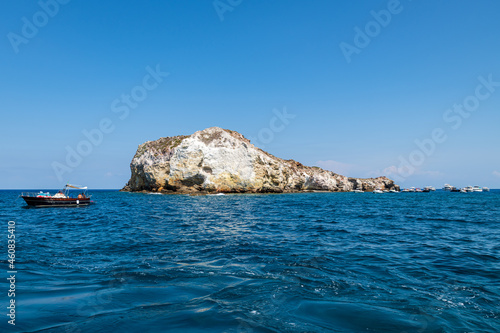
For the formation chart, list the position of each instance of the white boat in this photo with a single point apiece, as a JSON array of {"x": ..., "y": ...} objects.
[
  {"x": 377, "y": 191},
  {"x": 469, "y": 189},
  {"x": 486, "y": 189},
  {"x": 463, "y": 190},
  {"x": 477, "y": 189},
  {"x": 447, "y": 187},
  {"x": 358, "y": 191},
  {"x": 393, "y": 191}
]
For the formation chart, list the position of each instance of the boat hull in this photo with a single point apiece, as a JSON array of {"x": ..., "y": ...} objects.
[{"x": 56, "y": 202}]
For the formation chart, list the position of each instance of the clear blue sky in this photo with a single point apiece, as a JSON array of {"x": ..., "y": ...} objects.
[{"x": 357, "y": 118}]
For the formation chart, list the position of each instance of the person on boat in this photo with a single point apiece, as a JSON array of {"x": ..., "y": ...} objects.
[{"x": 81, "y": 196}]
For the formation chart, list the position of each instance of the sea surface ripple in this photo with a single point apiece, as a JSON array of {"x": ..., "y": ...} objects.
[{"x": 314, "y": 262}]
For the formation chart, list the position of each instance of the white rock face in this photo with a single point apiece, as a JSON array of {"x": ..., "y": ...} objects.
[
  {"x": 221, "y": 160},
  {"x": 211, "y": 157}
]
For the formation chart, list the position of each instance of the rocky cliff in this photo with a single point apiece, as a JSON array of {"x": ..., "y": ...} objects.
[{"x": 220, "y": 160}]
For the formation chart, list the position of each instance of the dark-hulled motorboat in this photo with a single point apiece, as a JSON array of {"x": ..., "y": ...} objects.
[{"x": 64, "y": 198}]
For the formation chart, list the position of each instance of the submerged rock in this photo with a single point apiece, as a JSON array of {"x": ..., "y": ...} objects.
[{"x": 220, "y": 160}]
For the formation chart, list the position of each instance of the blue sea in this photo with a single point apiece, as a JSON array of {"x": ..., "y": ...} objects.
[{"x": 312, "y": 262}]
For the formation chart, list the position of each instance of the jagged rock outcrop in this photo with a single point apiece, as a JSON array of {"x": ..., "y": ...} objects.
[{"x": 220, "y": 160}]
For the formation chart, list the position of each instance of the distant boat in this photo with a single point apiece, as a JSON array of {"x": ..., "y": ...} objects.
[
  {"x": 486, "y": 189},
  {"x": 358, "y": 191},
  {"x": 469, "y": 189},
  {"x": 477, "y": 189},
  {"x": 377, "y": 191},
  {"x": 393, "y": 191},
  {"x": 463, "y": 190},
  {"x": 447, "y": 187},
  {"x": 61, "y": 199}
]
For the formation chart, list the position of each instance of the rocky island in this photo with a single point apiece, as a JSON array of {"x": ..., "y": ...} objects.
[{"x": 221, "y": 160}]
